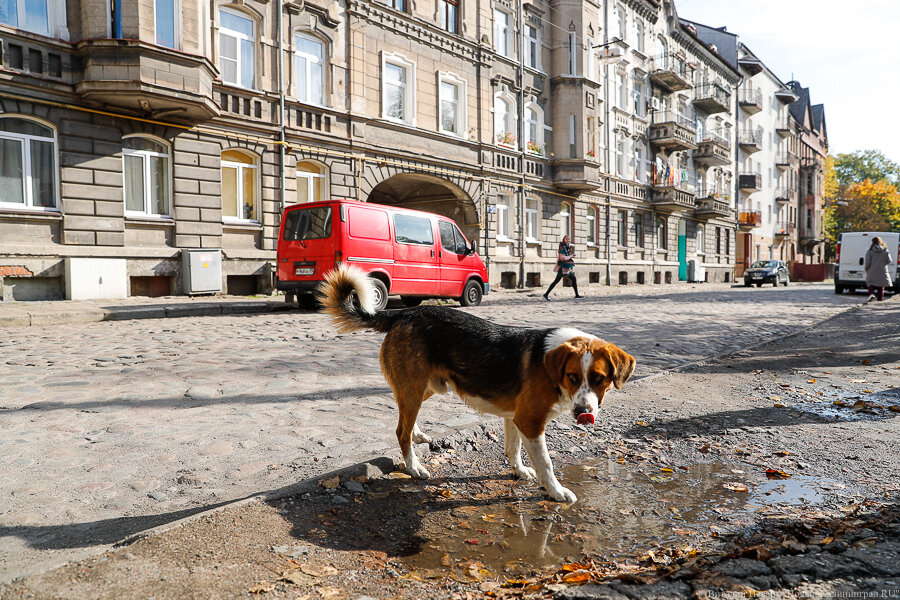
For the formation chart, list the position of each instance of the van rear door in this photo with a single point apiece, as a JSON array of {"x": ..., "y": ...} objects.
[
  {"x": 416, "y": 270},
  {"x": 308, "y": 243}
]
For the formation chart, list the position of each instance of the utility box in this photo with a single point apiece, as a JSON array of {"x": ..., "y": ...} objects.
[
  {"x": 96, "y": 278},
  {"x": 696, "y": 272},
  {"x": 201, "y": 271}
]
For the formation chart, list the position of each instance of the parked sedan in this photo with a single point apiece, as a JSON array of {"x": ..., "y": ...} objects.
[{"x": 767, "y": 271}]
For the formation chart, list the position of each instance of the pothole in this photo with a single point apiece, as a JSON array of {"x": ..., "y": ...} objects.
[{"x": 856, "y": 407}]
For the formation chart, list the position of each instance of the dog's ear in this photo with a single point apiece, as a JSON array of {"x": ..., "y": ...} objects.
[
  {"x": 555, "y": 361},
  {"x": 622, "y": 363}
]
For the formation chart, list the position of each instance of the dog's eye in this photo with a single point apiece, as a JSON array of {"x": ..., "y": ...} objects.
[
  {"x": 573, "y": 378},
  {"x": 596, "y": 380}
]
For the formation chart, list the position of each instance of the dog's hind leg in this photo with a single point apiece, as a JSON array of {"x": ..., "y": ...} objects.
[
  {"x": 513, "y": 440},
  {"x": 417, "y": 436},
  {"x": 408, "y": 402}
]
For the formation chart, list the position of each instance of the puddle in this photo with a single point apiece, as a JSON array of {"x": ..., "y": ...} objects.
[
  {"x": 621, "y": 511},
  {"x": 856, "y": 407}
]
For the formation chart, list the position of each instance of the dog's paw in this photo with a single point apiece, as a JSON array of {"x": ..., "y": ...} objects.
[
  {"x": 421, "y": 438},
  {"x": 561, "y": 494},
  {"x": 524, "y": 472},
  {"x": 418, "y": 471}
]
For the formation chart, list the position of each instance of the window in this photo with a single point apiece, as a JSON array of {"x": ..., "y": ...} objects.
[
  {"x": 639, "y": 35},
  {"x": 621, "y": 91},
  {"x": 572, "y": 47},
  {"x": 237, "y": 48},
  {"x": 534, "y": 129},
  {"x": 728, "y": 242},
  {"x": 309, "y": 61},
  {"x": 31, "y": 15},
  {"x": 662, "y": 236},
  {"x": 504, "y": 120},
  {"x": 452, "y": 239},
  {"x": 312, "y": 182},
  {"x": 590, "y": 60},
  {"x": 308, "y": 224},
  {"x": 573, "y": 147},
  {"x": 449, "y": 15},
  {"x": 620, "y": 22},
  {"x": 165, "y": 23},
  {"x": 622, "y": 219},
  {"x": 146, "y": 164},
  {"x": 620, "y": 156},
  {"x": 718, "y": 240},
  {"x": 413, "y": 230},
  {"x": 239, "y": 186},
  {"x": 701, "y": 243},
  {"x": 27, "y": 164},
  {"x": 565, "y": 214},
  {"x": 639, "y": 229},
  {"x": 637, "y": 96},
  {"x": 501, "y": 33},
  {"x": 532, "y": 47},
  {"x": 398, "y": 82},
  {"x": 532, "y": 220},
  {"x": 592, "y": 221},
  {"x": 452, "y": 91},
  {"x": 638, "y": 163},
  {"x": 504, "y": 217},
  {"x": 398, "y": 4}
]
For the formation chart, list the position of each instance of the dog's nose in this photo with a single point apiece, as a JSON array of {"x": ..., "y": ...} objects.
[{"x": 579, "y": 410}]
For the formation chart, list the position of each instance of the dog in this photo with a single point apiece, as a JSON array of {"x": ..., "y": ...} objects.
[{"x": 526, "y": 376}]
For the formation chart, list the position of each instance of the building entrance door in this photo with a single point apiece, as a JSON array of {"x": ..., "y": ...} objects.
[{"x": 682, "y": 250}]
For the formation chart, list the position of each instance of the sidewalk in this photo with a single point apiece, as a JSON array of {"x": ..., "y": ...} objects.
[{"x": 56, "y": 312}]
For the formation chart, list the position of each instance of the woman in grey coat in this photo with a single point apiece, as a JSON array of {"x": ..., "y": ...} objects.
[{"x": 877, "y": 275}]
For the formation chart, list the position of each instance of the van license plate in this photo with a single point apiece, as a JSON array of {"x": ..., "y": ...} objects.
[{"x": 300, "y": 271}]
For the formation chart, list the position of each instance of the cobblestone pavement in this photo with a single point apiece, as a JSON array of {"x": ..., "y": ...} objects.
[{"x": 113, "y": 427}]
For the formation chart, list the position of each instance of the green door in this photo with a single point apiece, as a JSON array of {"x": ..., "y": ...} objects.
[{"x": 682, "y": 251}]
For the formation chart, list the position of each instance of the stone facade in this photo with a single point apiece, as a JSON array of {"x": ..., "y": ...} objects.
[{"x": 613, "y": 122}]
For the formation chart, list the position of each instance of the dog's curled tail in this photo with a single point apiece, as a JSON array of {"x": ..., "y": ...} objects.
[{"x": 337, "y": 293}]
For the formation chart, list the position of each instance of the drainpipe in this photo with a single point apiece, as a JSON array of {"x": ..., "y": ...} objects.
[
  {"x": 520, "y": 113},
  {"x": 606, "y": 144},
  {"x": 281, "y": 136}
]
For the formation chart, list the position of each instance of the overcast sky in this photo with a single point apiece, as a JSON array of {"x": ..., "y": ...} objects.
[{"x": 846, "y": 53}]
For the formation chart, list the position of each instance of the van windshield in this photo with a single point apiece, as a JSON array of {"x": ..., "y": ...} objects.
[{"x": 308, "y": 224}]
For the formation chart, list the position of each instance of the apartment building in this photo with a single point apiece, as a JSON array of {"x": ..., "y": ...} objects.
[
  {"x": 813, "y": 148},
  {"x": 135, "y": 129}
]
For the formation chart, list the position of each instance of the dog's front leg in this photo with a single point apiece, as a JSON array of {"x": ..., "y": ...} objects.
[
  {"x": 540, "y": 458},
  {"x": 513, "y": 441}
]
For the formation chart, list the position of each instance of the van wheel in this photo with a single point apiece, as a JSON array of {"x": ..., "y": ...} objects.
[
  {"x": 411, "y": 301},
  {"x": 838, "y": 288},
  {"x": 471, "y": 295},
  {"x": 381, "y": 294}
]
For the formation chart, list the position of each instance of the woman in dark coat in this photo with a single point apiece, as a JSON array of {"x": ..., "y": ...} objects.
[
  {"x": 565, "y": 267},
  {"x": 878, "y": 277}
]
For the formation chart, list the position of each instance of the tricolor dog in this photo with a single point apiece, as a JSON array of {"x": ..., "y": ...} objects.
[{"x": 526, "y": 376}]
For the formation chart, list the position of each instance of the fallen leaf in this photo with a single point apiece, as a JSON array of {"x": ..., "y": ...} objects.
[
  {"x": 398, "y": 475},
  {"x": 867, "y": 391},
  {"x": 379, "y": 495},
  {"x": 474, "y": 542},
  {"x": 489, "y": 586},
  {"x": 812, "y": 380},
  {"x": 684, "y": 531},
  {"x": 776, "y": 474},
  {"x": 643, "y": 423},
  {"x": 331, "y": 593},
  {"x": 667, "y": 470},
  {"x": 894, "y": 408},
  {"x": 572, "y": 567},
  {"x": 330, "y": 484},
  {"x": 782, "y": 453},
  {"x": 296, "y": 577},
  {"x": 776, "y": 398},
  {"x": 778, "y": 405},
  {"x": 866, "y": 361},
  {"x": 839, "y": 403},
  {"x": 318, "y": 570},
  {"x": 577, "y": 577},
  {"x": 659, "y": 478},
  {"x": 261, "y": 587},
  {"x": 705, "y": 448},
  {"x": 827, "y": 540},
  {"x": 735, "y": 486}
]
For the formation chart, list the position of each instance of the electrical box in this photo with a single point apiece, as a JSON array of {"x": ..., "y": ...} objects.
[
  {"x": 96, "y": 278},
  {"x": 201, "y": 271},
  {"x": 696, "y": 272}
]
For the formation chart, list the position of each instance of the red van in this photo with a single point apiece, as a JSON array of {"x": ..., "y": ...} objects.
[{"x": 414, "y": 254}]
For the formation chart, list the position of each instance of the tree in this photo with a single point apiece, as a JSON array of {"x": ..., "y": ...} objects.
[
  {"x": 870, "y": 206},
  {"x": 865, "y": 164}
]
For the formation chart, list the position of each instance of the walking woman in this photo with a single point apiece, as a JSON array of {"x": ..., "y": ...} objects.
[
  {"x": 565, "y": 267},
  {"x": 878, "y": 277}
]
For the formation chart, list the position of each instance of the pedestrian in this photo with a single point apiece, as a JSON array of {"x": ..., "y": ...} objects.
[
  {"x": 878, "y": 257},
  {"x": 565, "y": 267}
]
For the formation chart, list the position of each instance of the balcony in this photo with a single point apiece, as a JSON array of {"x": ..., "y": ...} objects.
[
  {"x": 670, "y": 73},
  {"x": 576, "y": 175},
  {"x": 712, "y": 150},
  {"x": 750, "y": 100},
  {"x": 712, "y": 208},
  {"x": 785, "y": 230},
  {"x": 751, "y": 182},
  {"x": 712, "y": 98},
  {"x": 146, "y": 79},
  {"x": 811, "y": 237},
  {"x": 750, "y": 141},
  {"x": 784, "y": 126},
  {"x": 785, "y": 194},
  {"x": 785, "y": 159},
  {"x": 672, "y": 131},
  {"x": 749, "y": 219},
  {"x": 668, "y": 195}
]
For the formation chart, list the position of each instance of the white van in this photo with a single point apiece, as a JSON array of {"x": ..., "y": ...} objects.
[{"x": 850, "y": 273}]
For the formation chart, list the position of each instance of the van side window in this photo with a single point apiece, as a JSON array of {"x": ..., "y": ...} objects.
[
  {"x": 413, "y": 230},
  {"x": 451, "y": 238},
  {"x": 369, "y": 224},
  {"x": 308, "y": 224}
]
